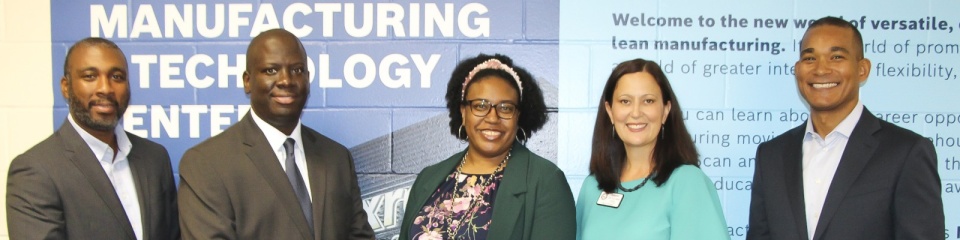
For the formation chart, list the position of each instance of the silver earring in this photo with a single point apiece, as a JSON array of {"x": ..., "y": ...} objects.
[
  {"x": 459, "y": 137},
  {"x": 524, "y": 141}
]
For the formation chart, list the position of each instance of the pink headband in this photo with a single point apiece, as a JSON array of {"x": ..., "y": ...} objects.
[{"x": 493, "y": 63}]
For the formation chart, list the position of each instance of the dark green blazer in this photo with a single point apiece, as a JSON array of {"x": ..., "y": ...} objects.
[{"x": 534, "y": 200}]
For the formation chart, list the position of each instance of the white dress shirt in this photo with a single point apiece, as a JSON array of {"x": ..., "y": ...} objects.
[
  {"x": 820, "y": 160},
  {"x": 276, "y": 139},
  {"x": 118, "y": 171}
]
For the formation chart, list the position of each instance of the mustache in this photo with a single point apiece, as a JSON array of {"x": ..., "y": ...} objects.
[{"x": 105, "y": 100}]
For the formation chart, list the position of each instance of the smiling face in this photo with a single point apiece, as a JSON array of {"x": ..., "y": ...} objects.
[
  {"x": 96, "y": 86},
  {"x": 277, "y": 79},
  {"x": 637, "y": 109},
  {"x": 489, "y": 135},
  {"x": 831, "y": 69}
]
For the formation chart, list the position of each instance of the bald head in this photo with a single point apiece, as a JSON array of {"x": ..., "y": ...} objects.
[
  {"x": 277, "y": 79},
  {"x": 275, "y": 39}
]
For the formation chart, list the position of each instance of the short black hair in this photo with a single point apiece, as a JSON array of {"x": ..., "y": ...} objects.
[
  {"x": 839, "y": 22},
  {"x": 533, "y": 110},
  {"x": 90, "y": 41}
]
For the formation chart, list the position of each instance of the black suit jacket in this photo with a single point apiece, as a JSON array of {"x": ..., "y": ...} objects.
[
  {"x": 58, "y": 190},
  {"x": 886, "y": 187},
  {"x": 233, "y": 187}
]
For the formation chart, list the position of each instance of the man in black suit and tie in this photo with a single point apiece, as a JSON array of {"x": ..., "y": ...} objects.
[
  {"x": 91, "y": 179},
  {"x": 268, "y": 176},
  {"x": 844, "y": 174}
]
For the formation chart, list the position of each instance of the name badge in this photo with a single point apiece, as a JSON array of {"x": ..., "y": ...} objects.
[{"x": 610, "y": 199}]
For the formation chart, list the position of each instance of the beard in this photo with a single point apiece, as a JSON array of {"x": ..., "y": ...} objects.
[{"x": 81, "y": 112}]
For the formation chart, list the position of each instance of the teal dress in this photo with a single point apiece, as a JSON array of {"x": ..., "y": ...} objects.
[{"x": 684, "y": 207}]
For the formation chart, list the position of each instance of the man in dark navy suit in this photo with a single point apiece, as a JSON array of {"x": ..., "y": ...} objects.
[{"x": 844, "y": 174}]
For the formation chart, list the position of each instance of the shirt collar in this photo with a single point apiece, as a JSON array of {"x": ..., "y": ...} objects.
[
  {"x": 101, "y": 148},
  {"x": 845, "y": 127},
  {"x": 274, "y": 137}
]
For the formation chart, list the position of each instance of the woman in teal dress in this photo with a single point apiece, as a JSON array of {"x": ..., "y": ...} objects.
[{"x": 644, "y": 180}]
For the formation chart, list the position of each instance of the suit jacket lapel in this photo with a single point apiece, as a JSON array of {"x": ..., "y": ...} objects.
[
  {"x": 83, "y": 158},
  {"x": 259, "y": 153},
  {"x": 429, "y": 181},
  {"x": 793, "y": 177},
  {"x": 433, "y": 179},
  {"x": 316, "y": 159},
  {"x": 510, "y": 196},
  {"x": 860, "y": 148},
  {"x": 141, "y": 182}
]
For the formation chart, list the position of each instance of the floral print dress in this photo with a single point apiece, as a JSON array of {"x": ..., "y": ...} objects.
[{"x": 461, "y": 213}]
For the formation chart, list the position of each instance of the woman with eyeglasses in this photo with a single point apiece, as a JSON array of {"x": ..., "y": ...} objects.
[{"x": 496, "y": 188}]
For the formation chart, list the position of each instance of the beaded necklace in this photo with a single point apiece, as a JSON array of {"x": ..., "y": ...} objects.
[
  {"x": 620, "y": 186},
  {"x": 451, "y": 229}
]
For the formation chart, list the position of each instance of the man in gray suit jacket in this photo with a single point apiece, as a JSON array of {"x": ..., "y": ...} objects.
[
  {"x": 91, "y": 179},
  {"x": 844, "y": 174},
  {"x": 268, "y": 176}
]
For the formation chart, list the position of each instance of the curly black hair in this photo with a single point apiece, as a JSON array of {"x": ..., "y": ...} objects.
[{"x": 533, "y": 111}]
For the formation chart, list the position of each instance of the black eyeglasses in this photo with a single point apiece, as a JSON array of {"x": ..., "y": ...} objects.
[{"x": 481, "y": 107}]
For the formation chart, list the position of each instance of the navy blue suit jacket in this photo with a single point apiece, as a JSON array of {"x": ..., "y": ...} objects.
[{"x": 886, "y": 187}]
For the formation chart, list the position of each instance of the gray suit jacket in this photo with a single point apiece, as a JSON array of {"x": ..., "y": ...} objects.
[
  {"x": 886, "y": 187},
  {"x": 233, "y": 187},
  {"x": 58, "y": 190}
]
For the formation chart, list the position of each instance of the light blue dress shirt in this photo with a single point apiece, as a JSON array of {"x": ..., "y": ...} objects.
[
  {"x": 821, "y": 157},
  {"x": 117, "y": 169}
]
